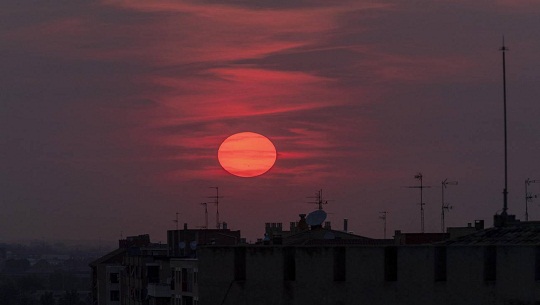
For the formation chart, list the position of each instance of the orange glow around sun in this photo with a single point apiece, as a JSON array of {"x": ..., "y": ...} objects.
[{"x": 247, "y": 154}]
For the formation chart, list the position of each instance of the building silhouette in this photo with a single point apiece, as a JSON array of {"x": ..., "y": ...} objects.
[{"x": 319, "y": 265}]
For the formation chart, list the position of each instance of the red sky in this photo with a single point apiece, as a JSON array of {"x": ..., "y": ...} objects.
[{"x": 113, "y": 111}]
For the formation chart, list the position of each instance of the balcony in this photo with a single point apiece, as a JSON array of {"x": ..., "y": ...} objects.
[{"x": 159, "y": 290}]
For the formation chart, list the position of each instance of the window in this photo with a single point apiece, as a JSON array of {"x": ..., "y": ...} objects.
[
  {"x": 340, "y": 270},
  {"x": 115, "y": 295},
  {"x": 289, "y": 264},
  {"x": 240, "y": 264},
  {"x": 195, "y": 277},
  {"x": 114, "y": 278},
  {"x": 390, "y": 264},
  {"x": 187, "y": 280},
  {"x": 152, "y": 273},
  {"x": 490, "y": 263},
  {"x": 537, "y": 264},
  {"x": 187, "y": 300},
  {"x": 440, "y": 264}
]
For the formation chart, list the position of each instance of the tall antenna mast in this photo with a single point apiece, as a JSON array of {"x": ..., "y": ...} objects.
[
  {"x": 205, "y": 215},
  {"x": 505, "y": 191},
  {"x": 529, "y": 196},
  {"x": 216, "y": 202},
  {"x": 421, "y": 187},
  {"x": 444, "y": 205},
  {"x": 383, "y": 217}
]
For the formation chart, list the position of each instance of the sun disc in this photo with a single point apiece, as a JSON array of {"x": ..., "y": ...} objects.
[{"x": 247, "y": 154}]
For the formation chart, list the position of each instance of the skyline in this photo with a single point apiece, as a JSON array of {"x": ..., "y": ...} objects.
[{"x": 113, "y": 112}]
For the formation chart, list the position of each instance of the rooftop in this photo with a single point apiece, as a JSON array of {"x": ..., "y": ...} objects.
[{"x": 518, "y": 233}]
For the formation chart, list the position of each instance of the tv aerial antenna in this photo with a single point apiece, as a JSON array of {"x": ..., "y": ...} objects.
[
  {"x": 216, "y": 202},
  {"x": 319, "y": 199},
  {"x": 205, "y": 215},
  {"x": 382, "y": 216},
  {"x": 419, "y": 177},
  {"x": 529, "y": 196},
  {"x": 176, "y": 220},
  {"x": 445, "y": 206}
]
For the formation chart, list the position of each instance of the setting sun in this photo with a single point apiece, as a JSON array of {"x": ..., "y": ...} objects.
[{"x": 247, "y": 154}]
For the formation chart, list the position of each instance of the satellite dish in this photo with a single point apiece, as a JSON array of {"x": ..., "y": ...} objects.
[
  {"x": 316, "y": 218},
  {"x": 181, "y": 245},
  {"x": 193, "y": 245}
]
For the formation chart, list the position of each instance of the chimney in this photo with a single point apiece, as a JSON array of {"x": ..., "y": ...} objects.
[
  {"x": 345, "y": 225},
  {"x": 327, "y": 225},
  {"x": 224, "y": 225},
  {"x": 185, "y": 226},
  {"x": 479, "y": 224}
]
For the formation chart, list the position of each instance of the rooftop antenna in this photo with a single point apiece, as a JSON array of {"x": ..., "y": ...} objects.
[
  {"x": 505, "y": 191},
  {"x": 383, "y": 217},
  {"x": 176, "y": 220},
  {"x": 319, "y": 199},
  {"x": 444, "y": 205},
  {"x": 529, "y": 196},
  {"x": 205, "y": 215},
  {"x": 216, "y": 201},
  {"x": 421, "y": 187}
]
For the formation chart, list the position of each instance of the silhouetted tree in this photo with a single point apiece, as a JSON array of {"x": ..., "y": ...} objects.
[{"x": 47, "y": 299}]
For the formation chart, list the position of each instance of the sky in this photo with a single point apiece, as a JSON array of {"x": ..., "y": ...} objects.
[{"x": 111, "y": 113}]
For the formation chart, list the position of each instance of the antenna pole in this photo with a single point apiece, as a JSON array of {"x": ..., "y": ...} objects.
[
  {"x": 421, "y": 204},
  {"x": 205, "y": 214},
  {"x": 176, "y": 220},
  {"x": 421, "y": 187},
  {"x": 383, "y": 217},
  {"x": 216, "y": 201},
  {"x": 528, "y": 196},
  {"x": 445, "y": 206},
  {"x": 505, "y": 191},
  {"x": 319, "y": 200}
]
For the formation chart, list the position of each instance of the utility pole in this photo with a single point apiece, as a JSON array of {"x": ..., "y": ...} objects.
[
  {"x": 445, "y": 206},
  {"x": 383, "y": 217},
  {"x": 421, "y": 187},
  {"x": 529, "y": 196}
]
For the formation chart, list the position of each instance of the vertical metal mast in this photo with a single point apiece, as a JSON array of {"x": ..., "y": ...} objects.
[
  {"x": 419, "y": 176},
  {"x": 176, "y": 220},
  {"x": 445, "y": 206},
  {"x": 205, "y": 214},
  {"x": 529, "y": 196},
  {"x": 383, "y": 217},
  {"x": 216, "y": 201},
  {"x": 421, "y": 187},
  {"x": 505, "y": 191}
]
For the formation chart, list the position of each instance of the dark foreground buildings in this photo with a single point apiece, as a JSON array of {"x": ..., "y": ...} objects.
[{"x": 318, "y": 265}]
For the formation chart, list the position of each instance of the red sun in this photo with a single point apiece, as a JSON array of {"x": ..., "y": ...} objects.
[{"x": 247, "y": 154}]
